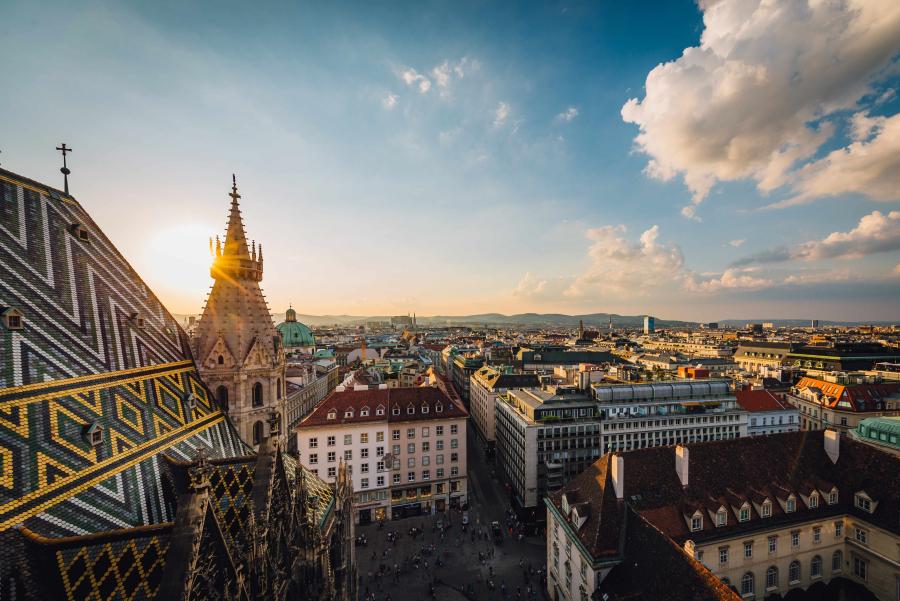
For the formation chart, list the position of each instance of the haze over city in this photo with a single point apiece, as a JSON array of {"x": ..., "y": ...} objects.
[{"x": 466, "y": 157}]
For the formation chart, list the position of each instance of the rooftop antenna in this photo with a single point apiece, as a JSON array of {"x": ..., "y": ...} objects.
[{"x": 65, "y": 169}]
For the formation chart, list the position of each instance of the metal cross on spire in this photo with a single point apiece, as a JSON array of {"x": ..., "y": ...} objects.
[
  {"x": 234, "y": 193},
  {"x": 65, "y": 169}
]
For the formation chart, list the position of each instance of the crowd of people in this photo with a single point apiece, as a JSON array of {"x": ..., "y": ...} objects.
[{"x": 439, "y": 556}]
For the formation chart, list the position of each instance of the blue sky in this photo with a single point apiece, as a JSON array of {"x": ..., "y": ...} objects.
[{"x": 450, "y": 158}]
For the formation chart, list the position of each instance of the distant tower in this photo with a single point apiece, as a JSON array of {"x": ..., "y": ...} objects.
[
  {"x": 580, "y": 329},
  {"x": 236, "y": 346},
  {"x": 610, "y": 322},
  {"x": 814, "y": 323},
  {"x": 649, "y": 324}
]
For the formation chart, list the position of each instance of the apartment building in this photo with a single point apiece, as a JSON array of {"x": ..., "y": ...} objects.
[
  {"x": 486, "y": 384},
  {"x": 637, "y": 416},
  {"x": 405, "y": 449},
  {"x": 544, "y": 437},
  {"x": 842, "y": 401},
  {"x": 768, "y": 414},
  {"x": 754, "y": 356},
  {"x": 728, "y": 520}
]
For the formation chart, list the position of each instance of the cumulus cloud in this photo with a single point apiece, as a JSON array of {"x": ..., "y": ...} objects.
[
  {"x": 501, "y": 114},
  {"x": 529, "y": 285},
  {"x": 390, "y": 101},
  {"x": 875, "y": 233},
  {"x": 567, "y": 115},
  {"x": 731, "y": 279},
  {"x": 755, "y": 99},
  {"x": 621, "y": 266},
  {"x": 869, "y": 166},
  {"x": 737, "y": 243}
]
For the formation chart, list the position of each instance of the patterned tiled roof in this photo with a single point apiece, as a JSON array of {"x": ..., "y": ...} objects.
[
  {"x": 861, "y": 397},
  {"x": 97, "y": 382}
]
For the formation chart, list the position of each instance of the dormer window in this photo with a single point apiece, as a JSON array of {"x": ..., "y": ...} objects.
[
  {"x": 862, "y": 501},
  {"x": 332, "y": 414},
  {"x": 814, "y": 500},
  {"x": 379, "y": 410},
  {"x": 767, "y": 509},
  {"x": 364, "y": 412},
  {"x": 410, "y": 410},
  {"x": 348, "y": 413},
  {"x": 136, "y": 320},
  {"x": 744, "y": 515},
  {"x": 791, "y": 505},
  {"x": 13, "y": 319},
  {"x": 395, "y": 410},
  {"x": 438, "y": 408},
  {"x": 93, "y": 434},
  {"x": 191, "y": 400},
  {"x": 424, "y": 408},
  {"x": 80, "y": 232},
  {"x": 721, "y": 518},
  {"x": 696, "y": 522}
]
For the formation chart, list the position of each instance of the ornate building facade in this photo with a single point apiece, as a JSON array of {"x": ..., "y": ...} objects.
[
  {"x": 239, "y": 352},
  {"x": 120, "y": 475}
]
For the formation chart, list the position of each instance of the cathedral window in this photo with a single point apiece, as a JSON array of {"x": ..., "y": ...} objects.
[
  {"x": 222, "y": 397},
  {"x": 221, "y": 360},
  {"x": 257, "y": 431},
  {"x": 258, "y": 394},
  {"x": 279, "y": 388}
]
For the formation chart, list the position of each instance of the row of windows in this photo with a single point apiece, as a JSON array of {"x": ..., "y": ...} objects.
[
  {"x": 396, "y": 478},
  {"x": 748, "y": 580},
  {"x": 379, "y": 436},
  {"x": 257, "y": 397}
]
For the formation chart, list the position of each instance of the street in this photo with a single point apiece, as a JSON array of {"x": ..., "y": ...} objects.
[{"x": 412, "y": 559}]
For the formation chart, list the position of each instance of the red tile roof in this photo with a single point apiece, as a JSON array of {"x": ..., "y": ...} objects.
[
  {"x": 862, "y": 397},
  {"x": 413, "y": 404},
  {"x": 760, "y": 400}
]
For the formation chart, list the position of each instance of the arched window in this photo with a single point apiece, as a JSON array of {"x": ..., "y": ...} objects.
[
  {"x": 772, "y": 577},
  {"x": 837, "y": 561},
  {"x": 257, "y": 395},
  {"x": 815, "y": 567},
  {"x": 257, "y": 432},
  {"x": 221, "y": 360},
  {"x": 279, "y": 388},
  {"x": 794, "y": 572},
  {"x": 747, "y": 584},
  {"x": 222, "y": 397}
]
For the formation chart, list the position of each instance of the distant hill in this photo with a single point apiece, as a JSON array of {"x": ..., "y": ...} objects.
[
  {"x": 595, "y": 320},
  {"x": 799, "y": 323}
]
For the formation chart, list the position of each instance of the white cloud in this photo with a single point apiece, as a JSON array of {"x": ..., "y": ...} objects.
[
  {"x": 869, "y": 166},
  {"x": 529, "y": 285},
  {"x": 875, "y": 233},
  {"x": 413, "y": 78},
  {"x": 749, "y": 101},
  {"x": 390, "y": 101},
  {"x": 567, "y": 115},
  {"x": 737, "y": 243},
  {"x": 731, "y": 279},
  {"x": 501, "y": 114},
  {"x": 619, "y": 266}
]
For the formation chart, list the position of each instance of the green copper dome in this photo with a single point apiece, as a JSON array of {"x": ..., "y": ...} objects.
[{"x": 293, "y": 333}]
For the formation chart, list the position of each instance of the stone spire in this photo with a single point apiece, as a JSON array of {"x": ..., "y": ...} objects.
[{"x": 236, "y": 346}]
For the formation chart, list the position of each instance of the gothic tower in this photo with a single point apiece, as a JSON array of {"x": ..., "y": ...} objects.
[{"x": 236, "y": 345}]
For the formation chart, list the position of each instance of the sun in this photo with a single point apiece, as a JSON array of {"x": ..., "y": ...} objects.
[{"x": 175, "y": 263}]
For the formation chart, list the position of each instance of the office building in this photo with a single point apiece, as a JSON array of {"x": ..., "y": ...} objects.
[
  {"x": 486, "y": 384},
  {"x": 637, "y": 416},
  {"x": 649, "y": 324},
  {"x": 544, "y": 437}
]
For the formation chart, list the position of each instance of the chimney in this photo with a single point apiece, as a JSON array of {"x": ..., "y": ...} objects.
[
  {"x": 832, "y": 444},
  {"x": 618, "y": 475},
  {"x": 681, "y": 464}
]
